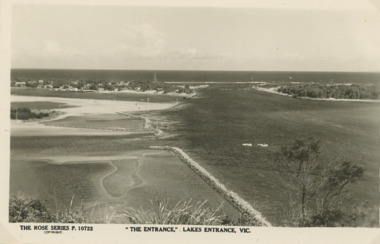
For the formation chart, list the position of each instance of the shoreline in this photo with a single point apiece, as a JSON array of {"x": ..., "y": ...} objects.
[
  {"x": 274, "y": 91},
  {"x": 148, "y": 92}
]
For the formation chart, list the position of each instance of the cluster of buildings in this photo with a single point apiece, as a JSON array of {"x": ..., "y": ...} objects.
[
  {"x": 79, "y": 85},
  {"x": 72, "y": 85},
  {"x": 33, "y": 83}
]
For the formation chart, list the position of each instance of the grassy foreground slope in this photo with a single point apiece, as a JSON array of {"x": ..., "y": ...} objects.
[{"x": 26, "y": 209}]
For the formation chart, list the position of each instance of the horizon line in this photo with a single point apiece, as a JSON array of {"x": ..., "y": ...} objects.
[{"x": 202, "y": 70}]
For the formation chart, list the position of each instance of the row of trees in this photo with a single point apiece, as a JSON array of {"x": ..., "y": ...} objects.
[{"x": 353, "y": 91}]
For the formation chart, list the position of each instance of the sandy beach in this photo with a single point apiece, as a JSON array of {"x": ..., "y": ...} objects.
[{"x": 153, "y": 92}]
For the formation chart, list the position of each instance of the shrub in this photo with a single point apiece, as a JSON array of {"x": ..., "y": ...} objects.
[
  {"x": 23, "y": 209},
  {"x": 26, "y": 113},
  {"x": 315, "y": 188},
  {"x": 184, "y": 212},
  {"x": 69, "y": 214}
]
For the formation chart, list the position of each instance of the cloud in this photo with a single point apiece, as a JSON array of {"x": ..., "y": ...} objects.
[
  {"x": 191, "y": 53},
  {"x": 49, "y": 49},
  {"x": 147, "y": 43},
  {"x": 140, "y": 41},
  {"x": 54, "y": 49},
  {"x": 48, "y": 53}
]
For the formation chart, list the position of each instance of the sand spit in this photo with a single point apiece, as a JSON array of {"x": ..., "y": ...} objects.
[
  {"x": 94, "y": 106},
  {"x": 230, "y": 196},
  {"x": 274, "y": 90},
  {"x": 82, "y": 107},
  {"x": 151, "y": 92}
]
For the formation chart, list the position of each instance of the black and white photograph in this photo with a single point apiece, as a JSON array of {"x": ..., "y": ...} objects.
[{"x": 190, "y": 118}]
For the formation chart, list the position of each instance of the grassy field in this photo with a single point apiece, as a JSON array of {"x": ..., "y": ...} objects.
[
  {"x": 93, "y": 95},
  {"x": 213, "y": 128}
]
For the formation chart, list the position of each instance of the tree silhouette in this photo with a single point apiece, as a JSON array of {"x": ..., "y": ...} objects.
[{"x": 315, "y": 187}]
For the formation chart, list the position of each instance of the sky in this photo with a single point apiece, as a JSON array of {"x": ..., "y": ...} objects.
[{"x": 293, "y": 35}]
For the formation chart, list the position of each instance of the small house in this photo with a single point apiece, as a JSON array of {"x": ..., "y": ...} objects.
[{"x": 20, "y": 83}]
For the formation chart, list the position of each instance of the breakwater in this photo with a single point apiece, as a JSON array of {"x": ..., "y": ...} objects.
[{"x": 235, "y": 200}]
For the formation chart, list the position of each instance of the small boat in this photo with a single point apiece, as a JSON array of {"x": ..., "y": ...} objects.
[{"x": 247, "y": 144}]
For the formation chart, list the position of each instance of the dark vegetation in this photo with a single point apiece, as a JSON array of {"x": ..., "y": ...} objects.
[
  {"x": 354, "y": 91},
  {"x": 26, "y": 113},
  {"x": 317, "y": 188},
  {"x": 25, "y": 209}
]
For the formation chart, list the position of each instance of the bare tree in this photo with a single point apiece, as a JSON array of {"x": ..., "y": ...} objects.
[{"x": 315, "y": 187}]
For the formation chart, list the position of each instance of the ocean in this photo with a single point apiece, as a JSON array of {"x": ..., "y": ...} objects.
[{"x": 197, "y": 76}]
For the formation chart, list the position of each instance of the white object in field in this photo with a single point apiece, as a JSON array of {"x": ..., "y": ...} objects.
[
  {"x": 247, "y": 144},
  {"x": 262, "y": 145}
]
